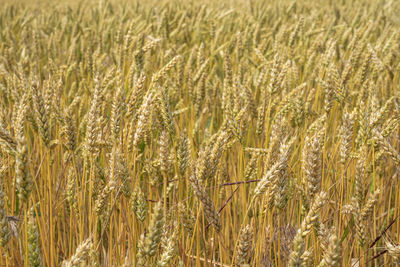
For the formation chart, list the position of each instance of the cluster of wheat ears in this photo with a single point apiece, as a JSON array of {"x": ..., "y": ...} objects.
[{"x": 193, "y": 133}]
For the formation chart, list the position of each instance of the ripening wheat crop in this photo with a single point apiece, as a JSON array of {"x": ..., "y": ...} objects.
[{"x": 200, "y": 133}]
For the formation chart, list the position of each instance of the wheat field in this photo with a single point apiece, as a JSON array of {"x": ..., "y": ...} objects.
[{"x": 200, "y": 133}]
